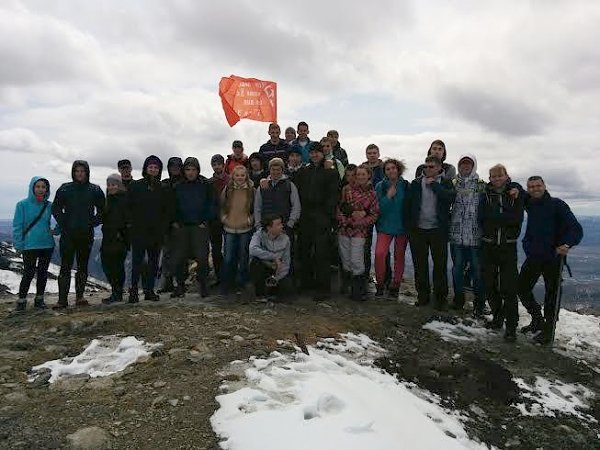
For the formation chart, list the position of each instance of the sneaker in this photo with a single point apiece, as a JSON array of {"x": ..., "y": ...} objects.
[
  {"x": 21, "y": 306},
  {"x": 38, "y": 302},
  {"x": 151, "y": 296},
  {"x": 510, "y": 335},
  {"x": 134, "y": 297}
]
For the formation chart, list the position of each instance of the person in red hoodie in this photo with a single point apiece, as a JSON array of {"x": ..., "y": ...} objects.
[
  {"x": 237, "y": 158},
  {"x": 357, "y": 212}
]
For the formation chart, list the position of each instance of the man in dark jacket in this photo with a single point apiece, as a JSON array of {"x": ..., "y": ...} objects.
[
  {"x": 124, "y": 167},
  {"x": 150, "y": 212},
  {"x": 218, "y": 182},
  {"x": 552, "y": 230},
  {"x": 338, "y": 152},
  {"x": 427, "y": 215},
  {"x": 77, "y": 208},
  {"x": 167, "y": 269},
  {"x": 275, "y": 147},
  {"x": 500, "y": 218},
  {"x": 318, "y": 190},
  {"x": 195, "y": 207}
]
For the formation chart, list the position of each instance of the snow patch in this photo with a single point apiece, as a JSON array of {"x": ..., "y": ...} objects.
[
  {"x": 551, "y": 397},
  {"x": 104, "y": 356},
  {"x": 461, "y": 330},
  {"x": 332, "y": 398}
]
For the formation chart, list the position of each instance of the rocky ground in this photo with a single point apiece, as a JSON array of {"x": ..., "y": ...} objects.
[{"x": 167, "y": 400}]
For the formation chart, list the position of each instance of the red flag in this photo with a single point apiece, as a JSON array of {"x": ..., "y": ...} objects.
[{"x": 248, "y": 98}]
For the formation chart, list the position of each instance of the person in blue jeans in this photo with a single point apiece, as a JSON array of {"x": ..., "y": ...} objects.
[
  {"x": 465, "y": 233},
  {"x": 237, "y": 201},
  {"x": 33, "y": 237}
]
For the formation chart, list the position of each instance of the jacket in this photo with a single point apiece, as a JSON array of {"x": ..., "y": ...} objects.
[
  {"x": 231, "y": 163},
  {"x": 78, "y": 206},
  {"x": 550, "y": 224},
  {"x": 377, "y": 170},
  {"x": 445, "y": 194},
  {"x": 281, "y": 197},
  {"x": 391, "y": 210},
  {"x": 40, "y": 235},
  {"x": 357, "y": 198},
  {"x": 318, "y": 191},
  {"x": 116, "y": 220},
  {"x": 303, "y": 149},
  {"x": 150, "y": 206},
  {"x": 195, "y": 202},
  {"x": 464, "y": 222},
  {"x": 340, "y": 154},
  {"x": 448, "y": 171},
  {"x": 236, "y": 208},
  {"x": 268, "y": 150},
  {"x": 267, "y": 250},
  {"x": 500, "y": 216}
]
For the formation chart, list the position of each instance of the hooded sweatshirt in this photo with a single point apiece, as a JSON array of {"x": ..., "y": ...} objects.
[
  {"x": 39, "y": 236},
  {"x": 391, "y": 210},
  {"x": 195, "y": 200},
  {"x": 78, "y": 205},
  {"x": 267, "y": 249},
  {"x": 464, "y": 221}
]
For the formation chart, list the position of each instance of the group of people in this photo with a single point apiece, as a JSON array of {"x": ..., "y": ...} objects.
[{"x": 282, "y": 217}]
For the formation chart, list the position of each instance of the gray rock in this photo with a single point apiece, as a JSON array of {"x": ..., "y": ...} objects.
[
  {"x": 90, "y": 438},
  {"x": 195, "y": 356},
  {"x": 159, "y": 384},
  {"x": 175, "y": 351},
  {"x": 238, "y": 338},
  {"x": 119, "y": 391},
  {"x": 513, "y": 442},
  {"x": 16, "y": 398},
  {"x": 70, "y": 384},
  {"x": 42, "y": 377},
  {"x": 174, "y": 402},
  {"x": 101, "y": 383},
  {"x": 223, "y": 334},
  {"x": 158, "y": 400}
]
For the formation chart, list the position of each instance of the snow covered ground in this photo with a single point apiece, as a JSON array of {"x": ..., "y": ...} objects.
[
  {"x": 104, "y": 356},
  {"x": 333, "y": 398}
]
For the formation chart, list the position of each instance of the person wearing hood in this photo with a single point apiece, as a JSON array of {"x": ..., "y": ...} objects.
[
  {"x": 237, "y": 201},
  {"x": 318, "y": 192},
  {"x": 195, "y": 208},
  {"x": 427, "y": 214},
  {"x": 465, "y": 233},
  {"x": 438, "y": 149},
  {"x": 124, "y": 167},
  {"x": 115, "y": 237},
  {"x": 150, "y": 208},
  {"x": 275, "y": 147},
  {"x": 338, "y": 152},
  {"x": 552, "y": 230},
  {"x": 78, "y": 207},
  {"x": 237, "y": 157},
  {"x": 500, "y": 219},
  {"x": 218, "y": 181},
  {"x": 167, "y": 268},
  {"x": 33, "y": 238},
  {"x": 256, "y": 169},
  {"x": 277, "y": 195},
  {"x": 391, "y": 194},
  {"x": 357, "y": 212}
]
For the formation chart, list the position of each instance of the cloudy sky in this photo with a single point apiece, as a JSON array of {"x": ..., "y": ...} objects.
[{"x": 512, "y": 82}]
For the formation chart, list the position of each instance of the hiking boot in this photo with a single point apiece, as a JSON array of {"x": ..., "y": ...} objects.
[
  {"x": 38, "y": 302},
  {"x": 393, "y": 292},
  {"x": 134, "y": 297},
  {"x": 510, "y": 335},
  {"x": 60, "y": 305},
  {"x": 81, "y": 302},
  {"x": 167, "y": 287},
  {"x": 151, "y": 296},
  {"x": 356, "y": 289},
  {"x": 544, "y": 337},
  {"x": 495, "y": 324},
  {"x": 21, "y": 306},
  {"x": 203, "y": 288},
  {"x": 179, "y": 292},
  {"x": 379, "y": 291},
  {"x": 536, "y": 325}
]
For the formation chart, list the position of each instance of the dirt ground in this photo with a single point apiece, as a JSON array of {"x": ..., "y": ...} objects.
[{"x": 167, "y": 401}]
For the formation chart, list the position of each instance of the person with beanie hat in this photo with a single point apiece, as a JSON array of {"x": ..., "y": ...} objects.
[
  {"x": 218, "y": 182},
  {"x": 33, "y": 238},
  {"x": 195, "y": 206},
  {"x": 124, "y": 167},
  {"x": 115, "y": 237},
  {"x": 78, "y": 207},
  {"x": 167, "y": 269},
  {"x": 150, "y": 208}
]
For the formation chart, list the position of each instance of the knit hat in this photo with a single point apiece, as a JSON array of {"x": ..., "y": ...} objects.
[
  {"x": 217, "y": 159},
  {"x": 174, "y": 161},
  {"x": 237, "y": 144},
  {"x": 277, "y": 162},
  {"x": 115, "y": 178},
  {"x": 123, "y": 163},
  {"x": 191, "y": 161}
]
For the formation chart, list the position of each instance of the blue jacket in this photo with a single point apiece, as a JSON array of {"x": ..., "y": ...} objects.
[
  {"x": 304, "y": 151},
  {"x": 391, "y": 211},
  {"x": 195, "y": 202},
  {"x": 26, "y": 211},
  {"x": 550, "y": 224}
]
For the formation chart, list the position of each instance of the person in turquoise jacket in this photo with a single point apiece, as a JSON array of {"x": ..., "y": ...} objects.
[
  {"x": 390, "y": 225},
  {"x": 33, "y": 237}
]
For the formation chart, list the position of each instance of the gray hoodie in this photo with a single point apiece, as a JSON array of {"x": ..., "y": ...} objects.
[{"x": 263, "y": 247}]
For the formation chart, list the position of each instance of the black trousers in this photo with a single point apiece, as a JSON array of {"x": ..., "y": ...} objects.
[
  {"x": 190, "y": 241},
  {"x": 74, "y": 245},
  {"x": 530, "y": 273},
  {"x": 216, "y": 246},
  {"x": 35, "y": 263},
  {"x": 422, "y": 243},
  {"x": 500, "y": 277},
  {"x": 259, "y": 272},
  {"x": 113, "y": 263},
  {"x": 139, "y": 250},
  {"x": 314, "y": 245}
]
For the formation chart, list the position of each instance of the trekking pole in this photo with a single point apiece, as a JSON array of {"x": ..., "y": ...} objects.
[{"x": 557, "y": 297}]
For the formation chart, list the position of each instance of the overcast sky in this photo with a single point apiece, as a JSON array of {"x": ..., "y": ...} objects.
[{"x": 513, "y": 82}]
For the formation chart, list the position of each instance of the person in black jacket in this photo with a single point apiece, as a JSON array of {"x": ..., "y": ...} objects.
[
  {"x": 115, "y": 237},
  {"x": 500, "y": 217},
  {"x": 149, "y": 204},
  {"x": 552, "y": 230},
  {"x": 318, "y": 190},
  {"x": 77, "y": 208},
  {"x": 256, "y": 169},
  {"x": 124, "y": 167},
  {"x": 275, "y": 147},
  {"x": 438, "y": 148},
  {"x": 427, "y": 216},
  {"x": 195, "y": 207}
]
